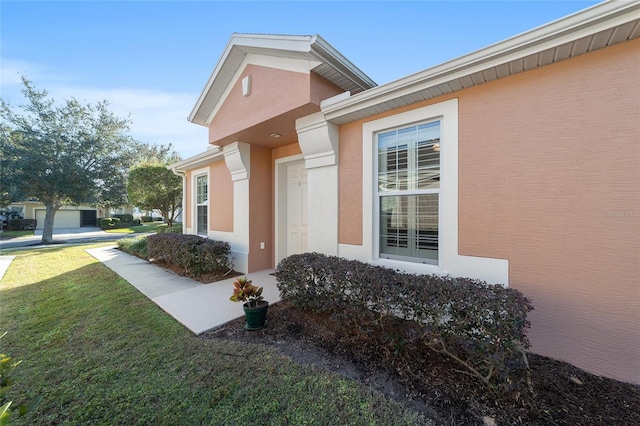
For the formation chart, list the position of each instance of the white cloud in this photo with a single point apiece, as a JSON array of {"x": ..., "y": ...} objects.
[{"x": 157, "y": 116}]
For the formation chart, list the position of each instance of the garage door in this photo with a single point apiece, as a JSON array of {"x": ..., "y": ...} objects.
[{"x": 63, "y": 219}]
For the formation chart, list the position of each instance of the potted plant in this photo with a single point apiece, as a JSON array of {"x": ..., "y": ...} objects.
[{"x": 255, "y": 308}]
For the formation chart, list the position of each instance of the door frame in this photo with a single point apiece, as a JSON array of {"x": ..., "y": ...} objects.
[{"x": 280, "y": 217}]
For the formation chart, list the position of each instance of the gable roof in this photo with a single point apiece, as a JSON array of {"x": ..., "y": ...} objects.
[
  {"x": 330, "y": 64},
  {"x": 599, "y": 26}
]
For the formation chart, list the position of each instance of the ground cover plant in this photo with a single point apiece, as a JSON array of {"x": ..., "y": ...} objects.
[{"x": 98, "y": 352}]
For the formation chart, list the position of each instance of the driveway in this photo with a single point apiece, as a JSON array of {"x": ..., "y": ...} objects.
[{"x": 65, "y": 235}]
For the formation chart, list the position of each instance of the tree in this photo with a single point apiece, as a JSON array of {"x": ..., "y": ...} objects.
[
  {"x": 63, "y": 153},
  {"x": 148, "y": 153},
  {"x": 153, "y": 186}
]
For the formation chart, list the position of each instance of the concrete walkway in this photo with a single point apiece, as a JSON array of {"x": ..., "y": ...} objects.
[
  {"x": 199, "y": 307},
  {"x": 66, "y": 235},
  {"x": 5, "y": 261}
]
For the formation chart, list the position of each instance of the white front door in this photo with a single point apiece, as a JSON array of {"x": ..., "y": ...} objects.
[{"x": 296, "y": 208}]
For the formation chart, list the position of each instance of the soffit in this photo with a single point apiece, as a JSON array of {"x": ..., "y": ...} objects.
[
  {"x": 600, "y": 26},
  {"x": 329, "y": 64},
  {"x": 282, "y": 125}
]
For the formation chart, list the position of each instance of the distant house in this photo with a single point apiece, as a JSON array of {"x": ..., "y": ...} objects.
[
  {"x": 518, "y": 164},
  {"x": 67, "y": 216}
]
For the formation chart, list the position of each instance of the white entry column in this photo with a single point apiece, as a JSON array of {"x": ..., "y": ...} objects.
[
  {"x": 318, "y": 141},
  {"x": 237, "y": 159}
]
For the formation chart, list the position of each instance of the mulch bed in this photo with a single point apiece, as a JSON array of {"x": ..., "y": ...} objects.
[
  {"x": 430, "y": 383},
  {"x": 434, "y": 386},
  {"x": 205, "y": 278}
]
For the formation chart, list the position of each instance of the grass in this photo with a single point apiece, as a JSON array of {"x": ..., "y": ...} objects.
[
  {"x": 97, "y": 351},
  {"x": 146, "y": 227},
  {"x": 9, "y": 235}
]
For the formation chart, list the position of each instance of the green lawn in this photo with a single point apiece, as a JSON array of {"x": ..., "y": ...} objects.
[
  {"x": 99, "y": 352},
  {"x": 146, "y": 227},
  {"x": 9, "y": 235}
]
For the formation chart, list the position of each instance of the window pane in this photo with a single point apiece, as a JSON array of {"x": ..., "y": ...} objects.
[
  {"x": 409, "y": 226},
  {"x": 426, "y": 214},
  {"x": 201, "y": 189},
  {"x": 409, "y": 158},
  {"x": 202, "y": 219}
]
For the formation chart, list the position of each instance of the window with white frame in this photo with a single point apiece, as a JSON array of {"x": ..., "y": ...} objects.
[
  {"x": 202, "y": 204},
  {"x": 408, "y": 192}
]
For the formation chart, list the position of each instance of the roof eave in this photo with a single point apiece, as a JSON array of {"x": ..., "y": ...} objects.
[
  {"x": 213, "y": 153},
  {"x": 451, "y": 76},
  {"x": 315, "y": 46}
]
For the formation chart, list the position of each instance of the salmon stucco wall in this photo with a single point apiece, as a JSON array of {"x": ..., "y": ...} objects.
[
  {"x": 273, "y": 92},
  {"x": 350, "y": 184},
  {"x": 260, "y": 210},
  {"x": 220, "y": 198},
  {"x": 285, "y": 151},
  {"x": 550, "y": 179},
  {"x": 321, "y": 89}
]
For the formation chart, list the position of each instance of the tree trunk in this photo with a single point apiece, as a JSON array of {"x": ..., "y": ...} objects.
[{"x": 47, "y": 228}]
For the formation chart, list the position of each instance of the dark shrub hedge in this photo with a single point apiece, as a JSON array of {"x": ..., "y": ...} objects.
[
  {"x": 14, "y": 224},
  {"x": 125, "y": 219},
  {"x": 195, "y": 254},
  {"x": 28, "y": 224},
  {"x": 146, "y": 218},
  {"x": 480, "y": 326},
  {"x": 108, "y": 222}
]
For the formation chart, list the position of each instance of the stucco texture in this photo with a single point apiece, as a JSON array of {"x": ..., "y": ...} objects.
[{"x": 550, "y": 179}]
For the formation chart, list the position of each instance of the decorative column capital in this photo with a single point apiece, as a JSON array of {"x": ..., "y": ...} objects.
[
  {"x": 318, "y": 140},
  {"x": 237, "y": 158}
]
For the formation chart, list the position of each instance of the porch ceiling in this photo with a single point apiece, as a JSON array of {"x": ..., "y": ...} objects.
[{"x": 283, "y": 125}]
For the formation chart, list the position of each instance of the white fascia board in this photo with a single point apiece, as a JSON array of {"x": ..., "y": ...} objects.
[
  {"x": 214, "y": 153},
  {"x": 573, "y": 27},
  {"x": 212, "y": 77},
  {"x": 273, "y": 41},
  {"x": 286, "y": 64},
  {"x": 330, "y": 55},
  {"x": 240, "y": 41}
]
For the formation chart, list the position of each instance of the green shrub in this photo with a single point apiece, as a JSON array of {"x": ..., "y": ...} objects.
[
  {"x": 14, "y": 224},
  {"x": 109, "y": 222},
  {"x": 480, "y": 326},
  {"x": 164, "y": 228},
  {"x": 146, "y": 218},
  {"x": 136, "y": 246},
  {"x": 28, "y": 224},
  {"x": 125, "y": 219},
  {"x": 195, "y": 254}
]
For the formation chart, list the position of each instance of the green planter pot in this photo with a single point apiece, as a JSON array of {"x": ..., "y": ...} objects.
[{"x": 255, "y": 317}]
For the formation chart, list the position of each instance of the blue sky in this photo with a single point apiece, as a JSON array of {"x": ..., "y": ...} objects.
[{"x": 151, "y": 59}]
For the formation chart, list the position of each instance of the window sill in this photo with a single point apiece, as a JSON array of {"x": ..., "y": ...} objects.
[{"x": 409, "y": 267}]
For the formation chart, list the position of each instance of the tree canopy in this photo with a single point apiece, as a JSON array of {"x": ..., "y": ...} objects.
[
  {"x": 152, "y": 186},
  {"x": 63, "y": 153}
]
